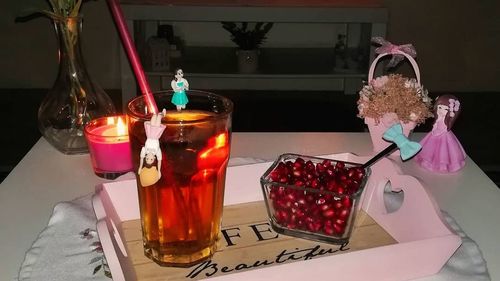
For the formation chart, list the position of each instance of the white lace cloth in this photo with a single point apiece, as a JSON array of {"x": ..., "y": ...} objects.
[{"x": 68, "y": 248}]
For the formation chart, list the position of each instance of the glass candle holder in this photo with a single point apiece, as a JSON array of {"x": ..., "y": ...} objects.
[
  {"x": 313, "y": 198},
  {"x": 109, "y": 146}
]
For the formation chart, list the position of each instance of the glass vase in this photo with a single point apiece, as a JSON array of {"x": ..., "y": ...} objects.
[{"x": 74, "y": 99}]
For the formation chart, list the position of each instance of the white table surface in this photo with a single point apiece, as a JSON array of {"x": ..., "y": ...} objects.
[{"x": 45, "y": 177}]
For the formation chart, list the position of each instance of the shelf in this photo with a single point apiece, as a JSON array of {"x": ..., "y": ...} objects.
[
  {"x": 305, "y": 64},
  {"x": 273, "y": 63}
]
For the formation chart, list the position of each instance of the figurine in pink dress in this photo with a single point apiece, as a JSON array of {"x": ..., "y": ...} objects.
[
  {"x": 441, "y": 151},
  {"x": 148, "y": 173}
]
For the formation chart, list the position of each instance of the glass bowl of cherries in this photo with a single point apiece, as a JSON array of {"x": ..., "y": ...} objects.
[{"x": 313, "y": 198}]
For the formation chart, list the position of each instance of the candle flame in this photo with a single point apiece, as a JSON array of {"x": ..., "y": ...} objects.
[
  {"x": 214, "y": 143},
  {"x": 111, "y": 120},
  {"x": 120, "y": 127},
  {"x": 221, "y": 140}
]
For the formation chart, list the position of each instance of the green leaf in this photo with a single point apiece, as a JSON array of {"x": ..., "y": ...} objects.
[
  {"x": 51, "y": 15},
  {"x": 55, "y": 5},
  {"x": 76, "y": 8},
  {"x": 247, "y": 39},
  {"x": 28, "y": 17},
  {"x": 268, "y": 27},
  {"x": 96, "y": 269},
  {"x": 108, "y": 274}
]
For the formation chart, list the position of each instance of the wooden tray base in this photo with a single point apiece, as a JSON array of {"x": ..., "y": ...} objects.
[{"x": 248, "y": 242}]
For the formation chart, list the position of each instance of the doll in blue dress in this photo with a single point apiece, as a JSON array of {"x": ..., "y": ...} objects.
[{"x": 179, "y": 85}]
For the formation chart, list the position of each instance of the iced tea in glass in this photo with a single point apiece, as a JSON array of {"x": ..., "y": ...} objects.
[{"x": 181, "y": 209}]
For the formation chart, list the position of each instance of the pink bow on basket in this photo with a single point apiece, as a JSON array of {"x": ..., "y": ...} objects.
[{"x": 389, "y": 48}]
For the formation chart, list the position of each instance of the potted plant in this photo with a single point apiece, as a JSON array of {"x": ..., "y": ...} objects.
[
  {"x": 393, "y": 98},
  {"x": 248, "y": 42}
]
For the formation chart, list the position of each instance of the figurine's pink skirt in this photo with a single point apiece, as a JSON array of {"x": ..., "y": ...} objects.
[{"x": 441, "y": 154}]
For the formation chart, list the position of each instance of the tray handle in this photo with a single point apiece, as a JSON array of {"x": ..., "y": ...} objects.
[
  {"x": 110, "y": 237},
  {"x": 412, "y": 62},
  {"x": 418, "y": 208}
]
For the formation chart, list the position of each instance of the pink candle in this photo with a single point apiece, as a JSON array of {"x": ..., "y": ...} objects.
[{"x": 109, "y": 147}]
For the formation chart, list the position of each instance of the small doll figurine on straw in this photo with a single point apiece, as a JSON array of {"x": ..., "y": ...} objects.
[
  {"x": 148, "y": 173},
  {"x": 179, "y": 85},
  {"x": 441, "y": 150}
]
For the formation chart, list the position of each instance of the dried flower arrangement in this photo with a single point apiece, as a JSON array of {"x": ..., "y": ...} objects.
[{"x": 394, "y": 93}]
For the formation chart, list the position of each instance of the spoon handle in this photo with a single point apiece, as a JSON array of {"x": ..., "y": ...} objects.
[{"x": 381, "y": 154}]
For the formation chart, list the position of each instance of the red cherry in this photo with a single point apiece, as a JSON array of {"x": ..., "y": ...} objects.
[
  {"x": 300, "y": 214},
  {"x": 328, "y": 229},
  {"x": 327, "y": 163},
  {"x": 328, "y": 213},
  {"x": 274, "y": 175},
  {"x": 299, "y": 183},
  {"x": 342, "y": 177},
  {"x": 329, "y": 171},
  {"x": 299, "y": 161},
  {"x": 314, "y": 226},
  {"x": 339, "y": 166},
  {"x": 338, "y": 229},
  {"x": 314, "y": 211},
  {"x": 320, "y": 168},
  {"x": 272, "y": 195},
  {"x": 337, "y": 204},
  {"x": 324, "y": 207},
  {"x": 281, "y": 191},
  {"x": 340, "y": 222},
  {"x": 331, "y": 185},
  {"x": 343, "y": 213},
  {"x": 340, "y": 190},
  {"x": 346, "y": 202},
  {"x": 301, "y": 201},
  {"x": 301, "y": 224},
  {"x": 297, "y": 173},
  {"x": 281, "y": 216},
  {"x": 290, "y": 197},
  {"x": 309, "y": 198},
  {"x": 320, "y": 201},
  {"x": 360, "y": 173},
  {"x": 309, "y": 166},
  {"x": 314, "y": 183}
]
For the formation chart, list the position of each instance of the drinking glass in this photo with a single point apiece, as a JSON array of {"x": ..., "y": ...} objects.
[{"x": 181, "y": 188}]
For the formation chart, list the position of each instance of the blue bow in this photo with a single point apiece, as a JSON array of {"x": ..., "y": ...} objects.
[{"x": 407, "y": 148}]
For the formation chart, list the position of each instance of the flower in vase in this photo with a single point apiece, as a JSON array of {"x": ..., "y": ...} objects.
[
  {"x": 394, "y": 94},
  {"x": 59, "y": 9},
  {"x": 64, "y": 8}
]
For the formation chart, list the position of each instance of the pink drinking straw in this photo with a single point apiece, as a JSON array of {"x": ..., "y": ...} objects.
[{"x": 132, "y": 55}]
